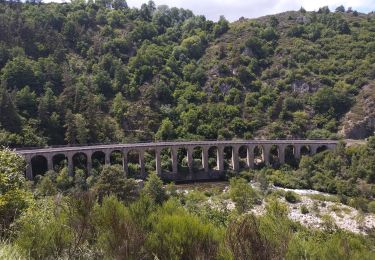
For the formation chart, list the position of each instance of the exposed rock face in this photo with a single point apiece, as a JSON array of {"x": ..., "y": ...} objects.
[
  {"x": 359, "y": 122},
  {"x": 301, "y": 86}
]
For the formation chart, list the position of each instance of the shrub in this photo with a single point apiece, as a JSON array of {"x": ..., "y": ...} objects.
[
  {"x": 176, "y": 234},
  {"x": 42, "y": 231},
  {"x": 242, "y": 194},
  {"x": 323, "y": 245},
  {"x": 304, "y": 210},
  {"x": 46, "y": 186},
  {"x": 154, "y": 188},
  {"x": 112, "y": 181},
  {"x": 371, "y": 207},
  {"x": 12, "y": 204},
  {"x": 291, "y": 197},
  {"x": 265, "y": 237},
  {"x": 10, "y": 251},
  {"x": 118, "y": 236}
]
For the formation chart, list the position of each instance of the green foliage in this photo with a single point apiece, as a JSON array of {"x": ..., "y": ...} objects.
[
  {"x": 319, "y": 245},
  {"x": 42, "y": 233},
  {"x": 14, "y": 198},
  {"x": 166, "y": 130},
  {"x": 242, "y": 194},
  {"x": 371, "y": 207},
  {"x": 100, "y": 72},
  {"x": 118, "y": 235},
  {"x": 112, "y": 181},
  {"x": 304, "y": 209},
  {"x": 46, "y": 186},
  {"x": 260, "y": 238},
  {"x": 154, "y": 188},
  {"x": 291, "y": 197},
  {"x": 12, "y": 168},
  {"x": 177, "y": 234}
]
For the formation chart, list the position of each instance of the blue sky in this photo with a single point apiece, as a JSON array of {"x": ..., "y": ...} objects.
[{"x": 234, "y": 9}]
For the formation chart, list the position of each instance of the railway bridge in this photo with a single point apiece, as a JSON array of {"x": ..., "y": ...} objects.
[{"x": 201, "y": 159}]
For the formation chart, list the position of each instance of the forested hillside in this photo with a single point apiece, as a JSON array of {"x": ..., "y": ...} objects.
[{"x": 103, "y": 72}]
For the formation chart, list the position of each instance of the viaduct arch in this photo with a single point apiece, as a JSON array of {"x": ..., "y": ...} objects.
[{"x": 284, "y": 147}]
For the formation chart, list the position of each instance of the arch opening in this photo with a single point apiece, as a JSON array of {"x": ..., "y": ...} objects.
[
  {"x": 242, "y": 157},
  {"x": 182, "y": 160},
  {"x": 305, "y": 150},
  {"x": 98, "y": 160},
  {"x": 150, "y": 160},
  {"x": 134, "y": 167},
  {"x": 80, "y": 163},
  {"x": 258, "y": 156},
  {"x": 212, "y": 158},
  {"x": 39, "y": 165},
  {"x": 166, "y": 159},
  {"x": 321, "y": 148},
  {"x": 290, "y": 157},
  {"x": 274, "y": 156},
  {"x": 228, "y": 165},
  {"x": 197, "y": 159},
  {"x": 59, "y": 161},
  {"x": 116, "y": 157}
]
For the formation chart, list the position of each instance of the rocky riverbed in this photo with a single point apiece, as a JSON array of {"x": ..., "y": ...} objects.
[{"x": 314, "y": 209}]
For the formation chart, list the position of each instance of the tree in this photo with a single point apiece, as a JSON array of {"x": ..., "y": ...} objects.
[
  {"x": 81, "y": 128},
  {"x": 119, "y": 107},
  {"x": 112, "y": 181},
  {"x": 242, "y": 194},
  {"x": 119, "y": 236},
  {"x": 154, "y": 188},
  {"x": 71, "y": 129},
  {"x": 166, "y": 130},
  {"x": 26, "y": 102},
  {"x": 274, "y": 22},
  {"x": 14, "y": 199},
  {"x": 9, "y": 118},
  {"x": 119, "y": 4},
  {"x": 221, "y": 27},
  {"x": 176, "y": 234},
  {"x": 340, "y": 9}
]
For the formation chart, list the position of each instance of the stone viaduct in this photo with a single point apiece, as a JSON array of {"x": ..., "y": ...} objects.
[{"x": 224, "y": 154}]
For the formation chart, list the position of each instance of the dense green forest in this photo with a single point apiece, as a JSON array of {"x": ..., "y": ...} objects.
[
  {"x": 89, "y": 72},
  {"x": 102, "y": 72}
]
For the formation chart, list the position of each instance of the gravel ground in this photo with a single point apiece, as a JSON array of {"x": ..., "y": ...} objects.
[{"x": 343, "y": 216}]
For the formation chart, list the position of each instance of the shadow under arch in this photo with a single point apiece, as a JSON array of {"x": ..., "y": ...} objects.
[
  {"x": 80, "y": 162},
  {"x": 321, "y": 148},
  {"x": 227, "y": 154},
  {"x": 59, "y": 161},
  {"x": 242, "y": 157},
  {"x": 98, "y": 160},
  {"x": 274, "y": 154},
  {"x": 290, "y": 155},
  {"x": 305, "y": 150},
  {"x": 39, "y": 165}
]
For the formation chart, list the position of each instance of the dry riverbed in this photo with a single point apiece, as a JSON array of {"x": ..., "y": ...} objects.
[{"x": 314, "y": 209}]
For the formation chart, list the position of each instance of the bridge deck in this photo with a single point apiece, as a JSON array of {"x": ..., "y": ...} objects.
[{"x": 171, "y": 144}]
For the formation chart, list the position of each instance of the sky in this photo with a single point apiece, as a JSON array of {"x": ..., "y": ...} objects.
[{"x": 234, "y": 9}]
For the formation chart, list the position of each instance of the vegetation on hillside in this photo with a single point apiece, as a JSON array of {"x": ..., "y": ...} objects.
[
  {"x": 102, "y": 72},
  {"x": 113, "y": 217},
  {"x": 99, "y": 71}
]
